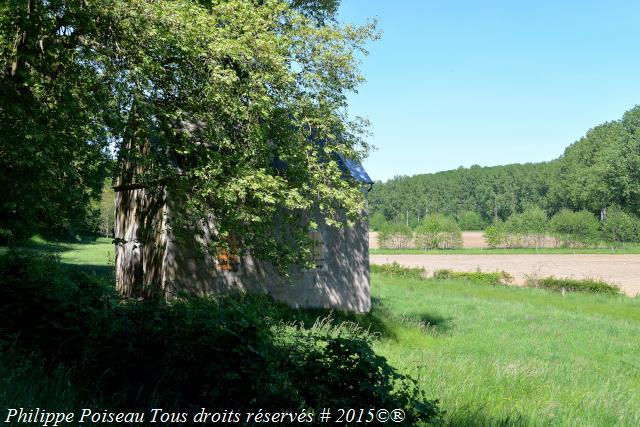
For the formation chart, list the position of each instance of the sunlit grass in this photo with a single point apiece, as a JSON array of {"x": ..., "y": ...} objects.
[
  {"x": 493, "y": 355},
  {"x": 498, "y": 355}
]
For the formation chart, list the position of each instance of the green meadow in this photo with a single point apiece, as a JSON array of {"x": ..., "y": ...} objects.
[
  {"x": 492, "y": 355},
  {"x": 496, "y": 355}
]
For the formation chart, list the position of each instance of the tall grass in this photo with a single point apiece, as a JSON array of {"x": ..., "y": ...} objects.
[
  {"x": 514, "y": 356},
  {"x": 494, "y": 356}
]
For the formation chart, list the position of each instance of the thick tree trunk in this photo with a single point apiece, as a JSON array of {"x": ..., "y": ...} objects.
[{"x": 139, "y": 222}]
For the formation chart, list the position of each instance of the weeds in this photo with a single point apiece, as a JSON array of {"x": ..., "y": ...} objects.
[{"x": 574, "y": 285}]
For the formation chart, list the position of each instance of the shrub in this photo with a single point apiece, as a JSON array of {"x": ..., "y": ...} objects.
[
  {"x": 575, "y": 228},
  {"x": 574, "y": 285},
  {"x": 344, "y": 372},
  {"x": 49, "y": 307},
  {"x": 219, "y": 353},
  {"x": 487, "y": 278},
  {"x": 438, "y": 231},
  {"x": 395, "y": 235},
  {"x": 6, "y": 236},
  {"x": 526, "y": 229},
  {"x": 495, "y": 234},
  {"x": 619, "y": 227},
  {"x": 395, "y": 269},
  {"x": 534, "y": 226}
]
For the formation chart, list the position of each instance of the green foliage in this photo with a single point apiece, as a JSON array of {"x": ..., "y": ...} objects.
[
  {"x": 491, "y": 192},
  {"x": 377, "y": 221},
  {"x": 395, "y": 269},
  {"x": 438, "y": 231},
  {"x": 326, "y": 366},
  {"x": 575, "y": 228},
  {"x": 49, "y": 307},
  {"x": 395, "y": 235},
  {"x": 471, "y": 221},
  {"x": 107, "y": 210},
  {"x": 486, "y": 278},
  {"x": 619, "y": 227},
  {"x": 219, "y": 353},
  {"x": 534, "y": 221},
  {"x": 570, "y": 229},
  {"x": 600, "y": 169},
  {"x": 526, "y": 229},
  {"x": 221, "y": 104},
  {"x": 495, "y": 234},
  {"x": 574, "y": 285}
]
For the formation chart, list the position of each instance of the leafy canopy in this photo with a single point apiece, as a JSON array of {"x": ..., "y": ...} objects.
[{"x": 222, "y": 103}]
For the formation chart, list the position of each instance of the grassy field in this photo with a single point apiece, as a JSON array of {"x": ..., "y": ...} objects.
[
  {"x": 493, "y": 355},
  {"x": 629, "y": 249},
  {"x": 94, "y": 256},
  {"x": 513, "y": 356}
]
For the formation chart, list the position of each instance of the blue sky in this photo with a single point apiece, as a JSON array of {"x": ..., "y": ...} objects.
[{"x": 456, "y": 83}]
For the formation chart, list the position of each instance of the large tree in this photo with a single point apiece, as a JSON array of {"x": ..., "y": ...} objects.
[
  {"x": 237, "y": 106},
  {"x": 602, "y": 168}
]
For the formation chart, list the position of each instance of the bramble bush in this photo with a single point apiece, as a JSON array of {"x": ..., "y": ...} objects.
[
  {"x": 395, "y": 269},
  {"x": 193, "y": 352},
  {"x": 575, "y": 285},
  {"x": 486, "y": 278}
]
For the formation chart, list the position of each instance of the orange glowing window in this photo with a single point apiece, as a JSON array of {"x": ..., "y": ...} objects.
[{"x": 228, "y": 259}]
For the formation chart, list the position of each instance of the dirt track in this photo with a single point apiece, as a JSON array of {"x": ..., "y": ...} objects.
[{"x": 623, "y": 270}]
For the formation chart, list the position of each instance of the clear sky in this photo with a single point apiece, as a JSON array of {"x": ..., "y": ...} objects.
[{"x": 454, "y": 83}]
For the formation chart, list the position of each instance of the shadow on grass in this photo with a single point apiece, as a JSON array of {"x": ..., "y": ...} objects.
[
  {"x": 54, "y": 246},
  {"x": 432, "y": 324},
  {"x": 374, "y": 321},
  {"x": 44, "y": 247},
  {"x": 107, "y": 272}
]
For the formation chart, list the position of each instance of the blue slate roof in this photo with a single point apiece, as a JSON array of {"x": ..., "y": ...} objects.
[
  {"x": 355, "y": 169},
  {"x": 348, "y": 166}
]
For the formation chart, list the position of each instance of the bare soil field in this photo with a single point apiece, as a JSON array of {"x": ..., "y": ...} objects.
[
  {"x": 473, "y": 239},
  {"x": 621, "y": 270}
]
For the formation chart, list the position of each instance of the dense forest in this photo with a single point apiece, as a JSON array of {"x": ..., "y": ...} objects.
[{"x": 601, "y": 169}]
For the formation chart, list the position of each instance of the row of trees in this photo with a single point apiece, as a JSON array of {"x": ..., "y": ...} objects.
[
  {"x": 434, "y": 231},
  {"x": 599, "y": 170},
  {"x": 567, "y": 228},
  {"x": 530, "y": 228}
]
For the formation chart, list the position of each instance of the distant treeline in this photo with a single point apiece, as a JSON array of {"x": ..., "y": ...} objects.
[{"x": 601, "y": 169}]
